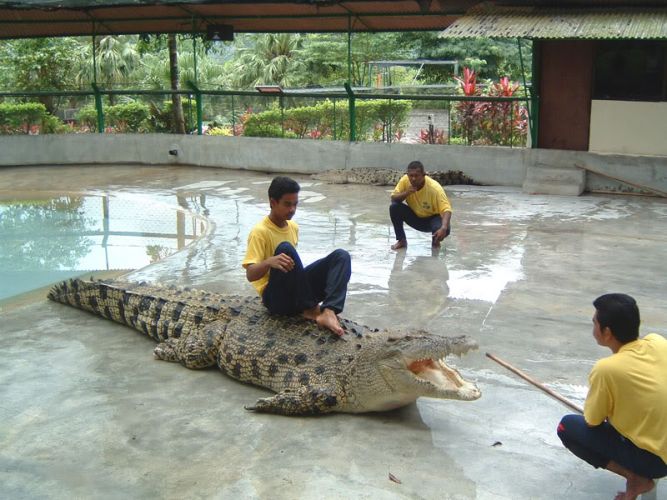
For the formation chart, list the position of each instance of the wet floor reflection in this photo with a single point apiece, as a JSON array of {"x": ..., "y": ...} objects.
[{"x": 44, "y": 240}]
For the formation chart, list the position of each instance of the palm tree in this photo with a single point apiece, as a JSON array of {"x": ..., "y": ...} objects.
[
  {"x": 269, "y": 59},
  {"x": 116, "y": 59}
]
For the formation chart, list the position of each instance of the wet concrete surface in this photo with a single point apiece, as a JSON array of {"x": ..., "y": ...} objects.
[{"x": 86, "y": 412}]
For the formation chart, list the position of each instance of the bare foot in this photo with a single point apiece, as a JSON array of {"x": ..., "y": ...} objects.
[
  {"x": 312, "y": 313},
  {"x": 328, "y": 319},
  {"x": 635, "y": 486},
  {"x": 399, "y": 244}
]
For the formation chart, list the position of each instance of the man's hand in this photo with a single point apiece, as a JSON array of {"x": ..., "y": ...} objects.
[
  {"x": 400, "y": 197},
  {"x": 282, "y": 261},
  {"x": 439, "y": 235}
]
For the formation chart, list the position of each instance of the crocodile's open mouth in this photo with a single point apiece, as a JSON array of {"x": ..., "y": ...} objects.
[
  {"x": 445, "y": 381},
  {"x": 437, "y": 372}
]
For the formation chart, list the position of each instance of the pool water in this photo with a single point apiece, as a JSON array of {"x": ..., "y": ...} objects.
[{"x": 46, "y": 240}]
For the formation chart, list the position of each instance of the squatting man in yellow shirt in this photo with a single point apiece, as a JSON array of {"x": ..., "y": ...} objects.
[
  {"x": 624, "y": 426},
  {"x": 274, "y": 268},
  {"x": 427, "y": 209}
]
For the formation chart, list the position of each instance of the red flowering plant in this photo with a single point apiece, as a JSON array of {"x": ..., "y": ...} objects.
[
  {"x": 502, "y": 121},
  {"x": 465, "y": 111},
  {"x": 438, "y": 137}
]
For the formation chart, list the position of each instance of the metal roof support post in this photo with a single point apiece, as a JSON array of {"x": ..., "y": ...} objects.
[
  {"x": 334, "y": 119},
  {"x": 281, "y": 102},
  {"x": 349, "y": 50},
  {"x": 96, "y": 90},
  {"x": 353, "y": 114},
  {"x": 94, "y": 60},
  {"x": 99, "y": 109},
  {"x": 199, "y": 107},
  {"x": 195, "y": 86},
  {"x": 233, "y": 117}
]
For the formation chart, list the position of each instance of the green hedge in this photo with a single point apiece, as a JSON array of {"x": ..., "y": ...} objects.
[
  {"x": 135, "y": 117},
  {"x": 378, "y": 119},
  {"x": 20, "y": 118}
]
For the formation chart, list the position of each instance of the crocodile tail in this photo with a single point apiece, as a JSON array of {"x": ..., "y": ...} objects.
[{"x": 138, "y": 306}]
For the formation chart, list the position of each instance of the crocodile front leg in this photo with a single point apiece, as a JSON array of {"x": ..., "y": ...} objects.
[
  {"x": 198, "y": 350},
  {"x": 303, "y": 401}
]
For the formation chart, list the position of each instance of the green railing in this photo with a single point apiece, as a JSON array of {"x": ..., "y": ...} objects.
[{"x": 348, "y": 114}]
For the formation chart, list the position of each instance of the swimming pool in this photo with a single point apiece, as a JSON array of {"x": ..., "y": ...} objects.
[{"x": 47, "y": 239}]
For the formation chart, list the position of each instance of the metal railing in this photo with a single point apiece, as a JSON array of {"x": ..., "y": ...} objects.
[{"x": 456, "y": 119}]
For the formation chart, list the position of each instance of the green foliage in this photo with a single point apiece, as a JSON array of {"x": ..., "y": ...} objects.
[
  {"x": 87, "y": 116},
  {"x": 379, "y": 119},
  {"x": 267, "y": 59},
  {"x": 220, "y": 131},
  {"x": 161, "y": 118},
  {"x": 129, "y": 117},
  {"x": 21, "y": 118}
]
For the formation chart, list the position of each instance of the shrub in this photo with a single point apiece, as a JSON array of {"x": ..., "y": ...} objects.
[
  {"x": 21, "y": 118},
  {"x": 380, "y": 119},
  {"x": 129, "y": 117},
  {"x": 220, "y": 131},
  {"x": 87, "y": 116}
]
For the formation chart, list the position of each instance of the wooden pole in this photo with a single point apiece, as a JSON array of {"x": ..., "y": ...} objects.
[{"x": 540, "y": 386}]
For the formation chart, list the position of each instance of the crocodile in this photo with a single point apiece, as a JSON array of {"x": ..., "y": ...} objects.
[
  {"x": 311, "y": 370},
  {"x": 386, "y": 176}
]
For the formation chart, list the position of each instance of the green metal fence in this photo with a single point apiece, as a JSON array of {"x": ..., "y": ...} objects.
[{"x": 331, "y": 114}]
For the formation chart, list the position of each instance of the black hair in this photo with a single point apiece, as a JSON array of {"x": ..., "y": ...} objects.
[
  {"x": 620, "y": 313},
  {"x": 416, "y": 165},
  {"x": 282, "y": 185}
]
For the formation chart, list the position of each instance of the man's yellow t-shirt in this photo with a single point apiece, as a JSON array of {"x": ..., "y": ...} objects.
[
  {"x": 429, "y": 200},
  {"x": 630, "y": 389},
  {"x": 262, "y": 242}
]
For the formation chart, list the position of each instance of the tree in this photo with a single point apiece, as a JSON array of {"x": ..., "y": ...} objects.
[
  {"x": 40, "y": 64},
  {"x": 116, "y": 61},
  {"x": 268, "y": 59},
  {"x": 177, "y": 108},
  {"x": 500, "y": 57}
]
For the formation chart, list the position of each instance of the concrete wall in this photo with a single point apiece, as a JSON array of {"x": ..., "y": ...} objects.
[
  {"x": 486, "y": 165},
  {"x": 627, "y": 127}
]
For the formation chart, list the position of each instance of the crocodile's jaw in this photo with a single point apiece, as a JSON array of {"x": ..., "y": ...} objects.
[{"x": 414, "y": 367}]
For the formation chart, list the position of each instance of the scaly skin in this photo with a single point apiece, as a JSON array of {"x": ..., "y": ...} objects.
[
  {"x": 311, "y": 370},
  {"x": 386, "y": 176}
]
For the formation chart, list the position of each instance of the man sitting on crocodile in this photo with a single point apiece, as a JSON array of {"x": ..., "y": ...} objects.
[
  {"x": 427, "y": 209},
  {"x": 274, "y": 268}
]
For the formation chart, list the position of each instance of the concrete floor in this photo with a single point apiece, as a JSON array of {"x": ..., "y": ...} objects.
[{"x": 86, "y": 412}]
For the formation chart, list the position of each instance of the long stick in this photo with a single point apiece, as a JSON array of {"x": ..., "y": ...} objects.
[{"x": 551, "y": 393}]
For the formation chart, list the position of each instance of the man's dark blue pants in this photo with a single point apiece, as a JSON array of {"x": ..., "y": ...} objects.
[
  {"x": 325, "y": 281},
  {"x": 401, "y": 213},
  {"x": 601, "y": 444}
]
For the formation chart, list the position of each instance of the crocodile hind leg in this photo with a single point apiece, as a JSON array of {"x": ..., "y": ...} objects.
[
  {"x": 195, "y": 351},
  {"x": 303, "y": 401}
]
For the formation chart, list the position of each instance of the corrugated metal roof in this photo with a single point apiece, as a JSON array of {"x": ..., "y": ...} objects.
[{"x": 560, "y": 23}]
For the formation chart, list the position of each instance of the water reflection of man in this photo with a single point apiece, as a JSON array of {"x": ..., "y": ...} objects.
[
  {"x": 427, "y": 292},
  {"x": 427, "y": 209},
  {"x": 274, "y": 267}
]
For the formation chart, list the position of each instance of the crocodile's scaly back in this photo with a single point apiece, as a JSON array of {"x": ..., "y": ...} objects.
[
  {"x": 311, "y": 369},
  {"x": 159, "y": 312}
]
